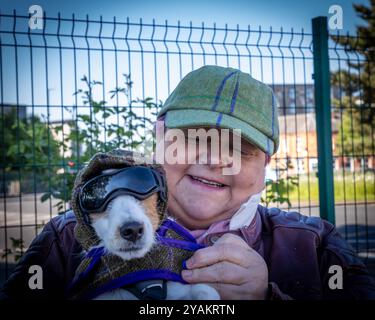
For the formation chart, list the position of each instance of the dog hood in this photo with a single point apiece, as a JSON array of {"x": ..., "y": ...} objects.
[{"x": 115, "y": 159}]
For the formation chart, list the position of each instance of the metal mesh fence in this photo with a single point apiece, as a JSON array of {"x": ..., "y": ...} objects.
[{"x": 79, "y": 86}]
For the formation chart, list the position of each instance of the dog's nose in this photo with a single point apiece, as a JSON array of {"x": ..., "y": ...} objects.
[{"x": 132, "y": 231}]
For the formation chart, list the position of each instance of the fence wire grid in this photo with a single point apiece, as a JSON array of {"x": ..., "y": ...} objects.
[{"x": 65, "y": 89}]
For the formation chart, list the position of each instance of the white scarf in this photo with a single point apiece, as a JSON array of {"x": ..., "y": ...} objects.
[{"x": 246, "y": 213}]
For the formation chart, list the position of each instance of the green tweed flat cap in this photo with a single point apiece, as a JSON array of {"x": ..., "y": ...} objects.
[{"x": 213, "y": 96}]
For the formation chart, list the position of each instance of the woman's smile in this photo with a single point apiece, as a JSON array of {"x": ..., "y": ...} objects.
[{"x": 205, "y": 184}]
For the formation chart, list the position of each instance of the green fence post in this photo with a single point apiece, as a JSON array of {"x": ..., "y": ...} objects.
[{"x": 323, "y": 118}]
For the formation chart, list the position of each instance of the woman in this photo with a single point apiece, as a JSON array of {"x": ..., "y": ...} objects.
[{"x": 253, "y": 252}]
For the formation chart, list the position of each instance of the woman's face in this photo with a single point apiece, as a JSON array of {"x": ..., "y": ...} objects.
[{"x": 197, "y": 204}]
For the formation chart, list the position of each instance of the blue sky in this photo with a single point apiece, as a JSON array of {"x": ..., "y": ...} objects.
[
  {"x": 286, "y": 13},
  {"x": 59, "y": 80}
]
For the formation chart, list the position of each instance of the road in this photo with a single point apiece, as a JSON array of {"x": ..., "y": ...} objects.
[{"x": 36, "y": 212}]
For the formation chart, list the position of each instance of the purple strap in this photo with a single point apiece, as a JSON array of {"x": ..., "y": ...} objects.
[
  {"x": 134, "y": 277},
  {"x": 171, "y": 224},
  {"x": 188, "y": 244}
]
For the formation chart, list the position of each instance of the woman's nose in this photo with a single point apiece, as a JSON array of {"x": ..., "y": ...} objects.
[{"x": 217, "y": 159}]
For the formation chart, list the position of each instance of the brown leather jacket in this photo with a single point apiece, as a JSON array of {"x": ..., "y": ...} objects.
[{"x": 298, "y": 250}]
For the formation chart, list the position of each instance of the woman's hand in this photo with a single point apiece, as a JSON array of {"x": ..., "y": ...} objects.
[{"x": 234, "y": 269}]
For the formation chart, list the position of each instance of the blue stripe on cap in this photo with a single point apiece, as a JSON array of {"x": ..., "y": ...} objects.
[
  {"x": 220, "y": 116},
  {"x": 220, "y": 89},
  {"x": 235, "y": 93}
]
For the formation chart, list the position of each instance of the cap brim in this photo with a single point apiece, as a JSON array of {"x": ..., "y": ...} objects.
[{"x": 201, "y": 118}]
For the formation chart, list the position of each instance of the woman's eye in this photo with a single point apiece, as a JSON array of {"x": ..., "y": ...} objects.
[{"x": 244, "y": 152}]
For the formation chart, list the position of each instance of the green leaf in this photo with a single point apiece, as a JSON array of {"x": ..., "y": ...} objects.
[{"x": 106, "y": 115}]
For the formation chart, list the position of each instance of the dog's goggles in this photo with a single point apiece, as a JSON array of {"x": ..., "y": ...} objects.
[{"x": 140, "y": 182}]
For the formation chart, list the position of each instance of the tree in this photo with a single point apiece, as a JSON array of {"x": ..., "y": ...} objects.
[
  {"x": 357, "y": 107},
  {"x": 277, "y": 192},
  {"x": 28, "y": 147}
]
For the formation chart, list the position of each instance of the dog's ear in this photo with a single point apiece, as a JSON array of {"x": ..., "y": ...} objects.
[{"x": 151, "y": 207}]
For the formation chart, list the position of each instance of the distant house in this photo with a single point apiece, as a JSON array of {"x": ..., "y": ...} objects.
[
  {"x": 19, "y": 110},
  {"x": 298, "y": 146},
  {"x": 294, "y": 98},
  {"x": 60, "y": 131},
  {"x": 298, "y": 139},
  {"x": 297, "y": 98}
]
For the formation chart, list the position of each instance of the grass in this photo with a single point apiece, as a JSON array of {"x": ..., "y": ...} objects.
[{"x": 349, "y": 187}]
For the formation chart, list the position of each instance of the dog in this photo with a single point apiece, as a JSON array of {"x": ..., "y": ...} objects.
[{"x": 127, "y": 229}]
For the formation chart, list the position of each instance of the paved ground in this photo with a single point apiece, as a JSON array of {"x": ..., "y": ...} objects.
[{"x": 355, "y": 222}]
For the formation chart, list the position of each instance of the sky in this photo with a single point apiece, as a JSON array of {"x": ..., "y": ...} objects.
[
  {"x": 36, "y": 86},
  {"x": 275, "y": 13}
]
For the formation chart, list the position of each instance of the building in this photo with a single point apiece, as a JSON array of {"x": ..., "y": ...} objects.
[
  {"x": 298, "y": 147},
  {"x": 19, "y": 110},
  {"x": 61, "y": 130},
  {"x": 297, "y": 98}
]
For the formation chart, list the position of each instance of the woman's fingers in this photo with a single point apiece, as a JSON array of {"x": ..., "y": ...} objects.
[
  {"x": 228, "y": 248},
  {"x": 223, "y": 272}
]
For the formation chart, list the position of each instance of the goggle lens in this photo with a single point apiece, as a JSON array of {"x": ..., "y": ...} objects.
[{"x": 139, "y": 182}]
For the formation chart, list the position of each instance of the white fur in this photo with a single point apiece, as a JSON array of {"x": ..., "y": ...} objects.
[{"x": 125, "y": 209}]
